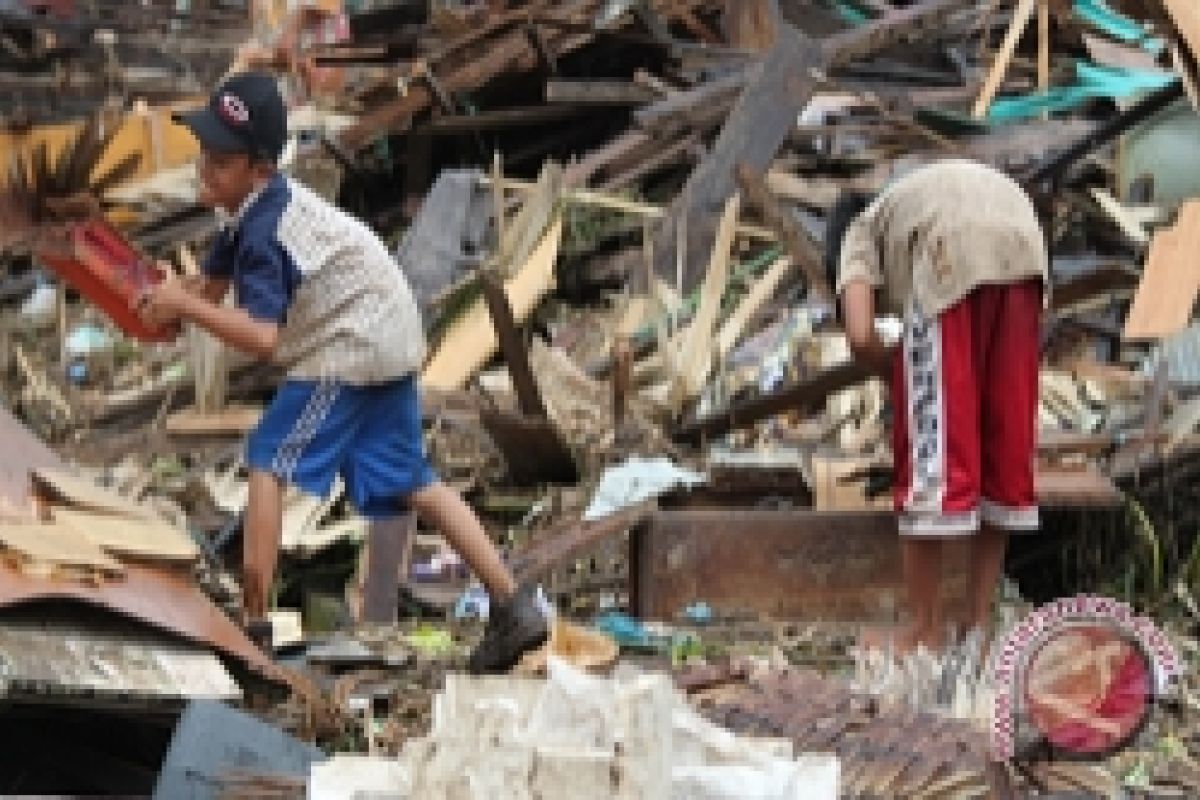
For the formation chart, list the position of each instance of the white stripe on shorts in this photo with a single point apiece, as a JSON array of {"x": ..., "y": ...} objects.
[{"x": 319, "y": 404}]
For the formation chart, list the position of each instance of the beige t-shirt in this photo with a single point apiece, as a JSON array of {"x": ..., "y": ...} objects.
[{"x": 937, "y": 233}]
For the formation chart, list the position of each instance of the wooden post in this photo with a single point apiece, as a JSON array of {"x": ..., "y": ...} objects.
[
  {"x": 389, "y": 547},
  {"x": 1043, "y": 65},
  {"x": 206, "y": 354},
  {"x": 1004, "y": 56},
  {"x": 622, "y": 356},
  {"x": 498, "y": 197},
  {"x": 751, "y": 24},
  {"x": 529, "y": 399}
]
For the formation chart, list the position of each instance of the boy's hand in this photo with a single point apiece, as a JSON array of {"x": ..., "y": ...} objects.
[{"x": 164, "y": 303}]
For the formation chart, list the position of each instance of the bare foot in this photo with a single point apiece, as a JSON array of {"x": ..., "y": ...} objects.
[{"x": 899, "y": 640}]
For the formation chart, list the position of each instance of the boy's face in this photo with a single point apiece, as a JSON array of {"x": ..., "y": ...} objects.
[{"x": 226, "y": 179}]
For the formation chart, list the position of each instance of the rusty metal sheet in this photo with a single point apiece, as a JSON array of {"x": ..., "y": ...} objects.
[
  {"x": 153, "y": 596},
  {"x": 792, "y": 564},
  {"x": 23, "y": 452}
]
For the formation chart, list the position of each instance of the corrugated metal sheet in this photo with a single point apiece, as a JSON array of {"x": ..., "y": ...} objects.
[
  {"x": 154, "y": 596},
  {"x": 157, "y": 596},
  {"x": 23, "y": 452},
  {"x": 71, "y": 660}
]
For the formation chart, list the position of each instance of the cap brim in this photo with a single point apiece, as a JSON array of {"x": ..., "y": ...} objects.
[{"x": 210, "y": 131}]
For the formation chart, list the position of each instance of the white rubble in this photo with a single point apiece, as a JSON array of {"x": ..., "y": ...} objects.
[{"x": 573, "y": 735}]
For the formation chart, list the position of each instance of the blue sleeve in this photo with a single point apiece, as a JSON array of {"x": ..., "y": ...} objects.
[
  {"x": 265, "y": 281},
  {"x": 219, "y": 261}
]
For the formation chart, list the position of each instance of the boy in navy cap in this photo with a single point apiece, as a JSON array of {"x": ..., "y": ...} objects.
[{"x": 318, "y": 293}]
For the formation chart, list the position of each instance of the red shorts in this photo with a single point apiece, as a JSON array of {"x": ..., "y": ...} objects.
[{"x": 965, "y": 399}]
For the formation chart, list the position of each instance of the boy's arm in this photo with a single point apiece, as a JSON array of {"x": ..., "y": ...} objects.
[
  {"x": 858, "y": 317},
  {"x": 211, "y": 289},
  {"x": 234, "y": 326}
]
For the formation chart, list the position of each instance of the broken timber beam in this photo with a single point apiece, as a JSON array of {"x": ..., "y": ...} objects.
[
  {"x": 529, "y": 399},
  {"x": 799, "y": 246},
  {"x": 597, "y": 92},
  {"x": 758, "y": 125},
  {"x": 776, "y": 91},
  {"x": 805, "y": 394},
  {"x": 554, "y": 547}
]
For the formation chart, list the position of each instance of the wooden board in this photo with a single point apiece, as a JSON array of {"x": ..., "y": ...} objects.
[
  {"x": 1128, "y": 222},
  {"x": 696, "y": 351},
  {"x": 1004, "y": 56},
  {"x": 84, "y": 493},
  {"x": 471, "y": 340},
  {"x": 1171, "y": 280},
  {"x": 55, "y": 543},
  {"x": 128, "y": 537},
  {"x": 762, "y": 290},
  {"x": 753, "y": 132},
  {"x": 1186, "y": 15},
  {"x": 832, "y": 491},
  {"x": 232, "y": 420}
]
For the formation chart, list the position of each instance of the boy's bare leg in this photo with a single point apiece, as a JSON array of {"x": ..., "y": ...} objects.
[
  {"x": 442, "y": 507},
  {"x": 987, "y": 563},
  {"x": 922, "y": 564},
  {"x": 260, "y": 542}
]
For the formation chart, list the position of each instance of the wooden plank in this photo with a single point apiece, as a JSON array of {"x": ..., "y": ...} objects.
[
  {"x": 55, "y": 543},
  {"x": 388, "y": 545},
  {"x": 752, "y": 24},
  {"x": 1128, "y": 222},
  {"x": 522, "y": 236},
  {"x": 799, "y": 245},
  {"x": 597, "y": 92},
  {"x": 763, "y": 115},
  {"x": 150, "y": 539},
  {"x": 1111, "y": 54},
  {"x": 555, "y": 546},
  {"x": 85, "y": 493},
  {"x": 471, "y": 339},
  {"x": 804, "y": 394},
  {"x": 695, "y": 107},
  {"x": 1004, "y": 56},
  {"x": 907, "y": 26},
  {"x": 760, "y": 292},
  {"x": 1043, "y": 67},
  {"x": 511, "y": 52},
  {"x": 1186, "y": 16},
  {"x": 235, "y": 420},
  {"x": 585, "y": 197},
  {"x": 533, "y": 448},
  {"x": 696, "y": 343},
  {"x": 1171, "y": 280},
  {"x": 529, "y": 399}
]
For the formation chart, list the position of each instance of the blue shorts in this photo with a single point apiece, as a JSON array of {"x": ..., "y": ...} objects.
[{"x": 371, "y": 435}]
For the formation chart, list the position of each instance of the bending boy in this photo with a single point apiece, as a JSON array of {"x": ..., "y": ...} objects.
[{"x": 956, "y": 250}]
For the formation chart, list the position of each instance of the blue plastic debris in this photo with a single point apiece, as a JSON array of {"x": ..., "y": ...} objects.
[
  {"x": 699, "y": 613},
  {"x": 624, "y": 630}
]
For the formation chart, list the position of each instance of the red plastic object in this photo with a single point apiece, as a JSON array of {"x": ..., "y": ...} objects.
[{"x": 105, "y": 269}]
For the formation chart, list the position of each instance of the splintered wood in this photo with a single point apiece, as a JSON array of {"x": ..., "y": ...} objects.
[{"x": 1171, "y": 280}]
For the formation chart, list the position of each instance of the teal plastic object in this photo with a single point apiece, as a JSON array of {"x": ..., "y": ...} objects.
[
  {"x": 1117, "y": 25},
  {"x": 1092, "y": 81},
  {"x": 624, "y": 630},
  {"x": 851, "y": 13}
]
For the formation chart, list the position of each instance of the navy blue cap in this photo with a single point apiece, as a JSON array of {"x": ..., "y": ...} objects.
[{"x": 244, "y": 115}]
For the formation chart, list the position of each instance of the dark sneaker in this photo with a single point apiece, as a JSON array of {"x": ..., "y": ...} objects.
[
  {"x": 513, "y": 629},
  {"x": 260, "y": 632}
]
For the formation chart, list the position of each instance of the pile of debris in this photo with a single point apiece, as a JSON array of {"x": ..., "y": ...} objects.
[{"x": 612, "y": 214}]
